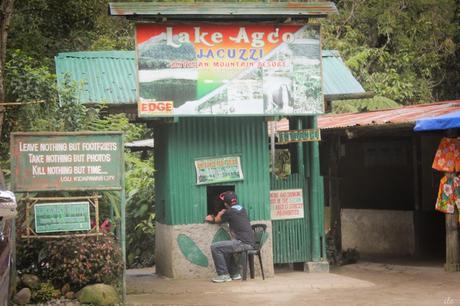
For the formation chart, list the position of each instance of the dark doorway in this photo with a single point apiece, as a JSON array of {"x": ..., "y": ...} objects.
[{"x": 214, "y": 203}]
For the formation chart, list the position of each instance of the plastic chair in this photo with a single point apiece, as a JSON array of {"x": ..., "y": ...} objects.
[{"x": 260, "y": 236}]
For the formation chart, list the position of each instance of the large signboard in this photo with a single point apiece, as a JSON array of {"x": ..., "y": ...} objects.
[
  {"x": 62, "y": 217},
  {"x": 286, "y": 204},
  {"x": 66, "y": 161},
  {"x": 207, "y": 69},
  {"x": 218, "y": 170}
]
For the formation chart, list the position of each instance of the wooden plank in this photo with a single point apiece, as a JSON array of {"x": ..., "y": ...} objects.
[
  {"x": 223, "y": 9},
  {"x": 452, "y": 243}
]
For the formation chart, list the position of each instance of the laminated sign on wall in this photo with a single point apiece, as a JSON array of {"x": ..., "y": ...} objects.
[
  {"x": 207, "y": 69},
  {"x": 286, "y": 204}
]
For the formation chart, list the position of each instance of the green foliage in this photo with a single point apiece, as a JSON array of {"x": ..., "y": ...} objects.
[
  {"x": 395, "y": 48},
  {"x": 139, "y": 184},
  {"x": 44, "y": 293},
  {"x": 363, "y": 105},
  {"x": 140, "y": 221},
  {"x": 28, "y": 81},
  {"x": 74, "y": 25},
  {"x": 81, "y": 261}
]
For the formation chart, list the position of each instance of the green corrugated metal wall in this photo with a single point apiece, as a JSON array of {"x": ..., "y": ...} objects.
[
  {"x": 296, "y": 240},
  {"x": 291, "y": 238},
  {"x": 178, "y": 199}
]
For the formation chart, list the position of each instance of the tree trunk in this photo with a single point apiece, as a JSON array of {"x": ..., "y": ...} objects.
[{"x": 6, "y": 11}]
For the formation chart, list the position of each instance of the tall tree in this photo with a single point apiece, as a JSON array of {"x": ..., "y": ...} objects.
[
  {"x": 397, "y": 48},
  {"x": 6, "y": 11}
]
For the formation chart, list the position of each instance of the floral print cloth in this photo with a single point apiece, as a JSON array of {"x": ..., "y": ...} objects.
[
  {"x": 447, "y": 158},
  {"x": 449, "y": 194}
]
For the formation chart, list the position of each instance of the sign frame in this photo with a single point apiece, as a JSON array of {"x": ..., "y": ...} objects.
[
  {"x": 85, "y": 210},
  {"x": 30, "y": 202},
  {"x": 20, "y": 172},
  {"x": 228, "y": 69}
]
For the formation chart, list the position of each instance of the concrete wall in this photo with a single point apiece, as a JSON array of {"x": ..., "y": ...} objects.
[
  {"x": 378, "y": 232},
  {"x": 171, "y": 262}
]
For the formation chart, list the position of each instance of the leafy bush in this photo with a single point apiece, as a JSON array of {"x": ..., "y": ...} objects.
[{"x": 81, "y": 261}]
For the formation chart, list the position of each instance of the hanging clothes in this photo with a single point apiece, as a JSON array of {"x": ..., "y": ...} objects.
[
  {"x": 449, "y": 194},
  {"x": 447, "y": 158}
]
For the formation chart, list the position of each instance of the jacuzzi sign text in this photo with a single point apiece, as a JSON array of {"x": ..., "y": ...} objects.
[{"x": 256, "y": 39}]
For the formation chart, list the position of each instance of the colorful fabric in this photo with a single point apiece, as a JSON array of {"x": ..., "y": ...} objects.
[
  {"x": 449, "y": 194},
  {"x": 447, "y": 158}
]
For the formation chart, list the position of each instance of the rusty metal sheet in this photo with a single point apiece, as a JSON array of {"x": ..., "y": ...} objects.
[{"x": 403, "y": 115}]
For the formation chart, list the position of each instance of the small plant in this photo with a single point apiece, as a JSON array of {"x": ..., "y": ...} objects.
[{"x": 44, "y": 293}]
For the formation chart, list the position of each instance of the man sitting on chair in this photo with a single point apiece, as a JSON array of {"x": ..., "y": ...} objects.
[{"x": 242, "y": 238}]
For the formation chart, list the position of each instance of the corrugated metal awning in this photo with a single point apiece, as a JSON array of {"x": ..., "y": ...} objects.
[
  {"x": 110, "y": 76},
  {"x": 390, "y": 117},
  {"x": 222, "y": 10},
  {"x": 338, "y": 81},
  {"x": 407, "y": 114},
  {"x": 103, "y": 76}
]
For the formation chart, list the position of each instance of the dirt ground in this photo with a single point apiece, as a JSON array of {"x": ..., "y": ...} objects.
[{"x": 364, "y": 283}]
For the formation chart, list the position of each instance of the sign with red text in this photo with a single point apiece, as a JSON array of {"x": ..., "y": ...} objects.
[
  {"x": 286, "y": 204},
  {"x": 208, "y": 69},
  {"x": 66, "y": 161},
  {"x": 154, "y": 108}
]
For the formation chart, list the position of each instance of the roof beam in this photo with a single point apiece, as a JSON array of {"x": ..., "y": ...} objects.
[{"x": 162, "y": 11}]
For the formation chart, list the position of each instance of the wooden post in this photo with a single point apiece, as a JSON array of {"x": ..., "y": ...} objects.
[{"x": 452, "y": 243}]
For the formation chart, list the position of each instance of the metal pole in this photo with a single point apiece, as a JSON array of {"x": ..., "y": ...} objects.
[
  {"x": 123, "y": 237},
  {"x": 314, "y": 196},
  {"x": 272, "y": 145}
]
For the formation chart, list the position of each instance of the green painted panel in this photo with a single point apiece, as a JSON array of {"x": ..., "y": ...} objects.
[
  {"x": 191, "y": 251},
  {"x": 221, "y": 235}
]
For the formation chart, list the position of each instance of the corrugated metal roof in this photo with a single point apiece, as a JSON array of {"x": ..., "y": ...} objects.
[
  {"x": 222, "y": 10},
  {"x": 110, "y": 76},
  {"x": 407, "y": 114},
  {"x": 337, "y": 78},
  {"x": 105, "y": 76},
  {"x": 404, "y": 115}
]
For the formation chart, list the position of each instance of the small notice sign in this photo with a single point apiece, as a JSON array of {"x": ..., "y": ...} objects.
[
  {"x": 286, "y": 204},
  {"x": 217, "y": 170},
  {"x": 299, "y": 136},
  {"x": 62, "y": 217}
]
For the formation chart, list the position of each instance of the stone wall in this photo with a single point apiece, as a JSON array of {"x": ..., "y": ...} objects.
[
  {"x": 378, "y": 232},
  {"x": 194, "y": 260}
]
